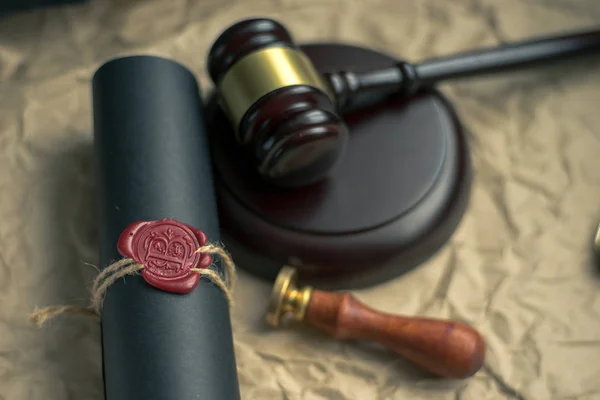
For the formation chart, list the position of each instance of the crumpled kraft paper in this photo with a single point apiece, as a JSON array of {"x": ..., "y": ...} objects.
[{"x": 519, "y": 267}]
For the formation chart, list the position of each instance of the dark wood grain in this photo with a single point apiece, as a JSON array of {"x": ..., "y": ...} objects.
[
  {"x": 294, "y": 135},
  {"x": 445, "y": 348},
  {"x": 393, "y": 200},
  {"x": 242, "y": 38}
]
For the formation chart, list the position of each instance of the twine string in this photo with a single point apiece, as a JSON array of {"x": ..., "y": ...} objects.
[{"x": 126, "y": 267}]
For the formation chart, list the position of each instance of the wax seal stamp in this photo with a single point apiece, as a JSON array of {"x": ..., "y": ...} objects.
[
  {"x": 167, "y": 250},
  {"x": 444, "y": 348}
]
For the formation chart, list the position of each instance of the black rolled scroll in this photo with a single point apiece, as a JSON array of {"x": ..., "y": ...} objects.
[{"x": 153, "y": 163}]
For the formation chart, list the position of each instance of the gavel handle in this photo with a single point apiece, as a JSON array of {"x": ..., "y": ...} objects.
[
  {"x": 409, "y": 77},
  {"x": 446, "y": 349},
  {"x": 508, "y": 57}
]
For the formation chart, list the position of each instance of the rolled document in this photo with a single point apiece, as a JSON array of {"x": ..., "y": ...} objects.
[{"x": 154, "y": 163}]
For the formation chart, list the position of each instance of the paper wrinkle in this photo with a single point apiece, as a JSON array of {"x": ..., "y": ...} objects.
[{"x": 519, "y": 268}]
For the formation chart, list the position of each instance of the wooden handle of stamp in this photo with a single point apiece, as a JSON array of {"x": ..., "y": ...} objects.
[{"x": 447, "y": 349}]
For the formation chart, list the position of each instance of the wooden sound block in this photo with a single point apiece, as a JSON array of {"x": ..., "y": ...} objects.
[{"x": 395, "y": 198}]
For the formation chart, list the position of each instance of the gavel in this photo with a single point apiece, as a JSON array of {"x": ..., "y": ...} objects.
[
  {"x": 444, "y": 348},
  {"x": 289, "y": 117}
]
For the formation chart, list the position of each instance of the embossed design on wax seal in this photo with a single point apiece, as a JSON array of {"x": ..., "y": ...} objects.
[{"x": 167, "y": 250}]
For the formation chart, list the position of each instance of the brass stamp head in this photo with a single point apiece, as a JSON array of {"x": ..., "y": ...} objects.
[{"x": 286, "y": 298}]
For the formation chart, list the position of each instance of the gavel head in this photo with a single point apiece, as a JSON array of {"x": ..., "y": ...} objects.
[{"x": 280, "y": 107}]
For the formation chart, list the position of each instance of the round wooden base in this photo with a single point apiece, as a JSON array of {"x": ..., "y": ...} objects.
[{"x": 394, "y": 199}]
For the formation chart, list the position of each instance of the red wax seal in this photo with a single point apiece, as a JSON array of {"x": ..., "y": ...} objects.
[{"x": 167, "y": 250}]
